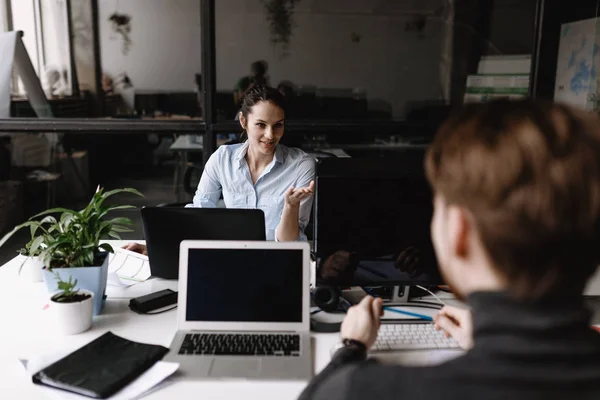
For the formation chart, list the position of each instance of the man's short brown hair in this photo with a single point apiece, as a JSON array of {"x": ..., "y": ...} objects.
[{"x": 529, "y": 174}]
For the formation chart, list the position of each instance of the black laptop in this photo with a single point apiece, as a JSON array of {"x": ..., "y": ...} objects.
[{"x": 166, "y": 227}]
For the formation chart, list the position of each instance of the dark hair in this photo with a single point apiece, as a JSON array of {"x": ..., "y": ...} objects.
[
  {"x": 261, "y": 93},
  {"x": 529, "y": 174}
]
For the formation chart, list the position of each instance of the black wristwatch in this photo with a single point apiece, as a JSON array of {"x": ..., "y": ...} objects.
[{"x": 351, "y": 344}]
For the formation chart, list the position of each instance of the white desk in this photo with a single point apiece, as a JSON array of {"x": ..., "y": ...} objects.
[{"x": 26, "y": 331}]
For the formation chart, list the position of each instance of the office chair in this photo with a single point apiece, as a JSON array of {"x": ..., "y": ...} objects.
[{"x": 191, "y": 178}]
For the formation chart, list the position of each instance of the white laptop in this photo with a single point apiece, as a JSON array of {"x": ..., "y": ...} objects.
[{"x": 243, "y": 310}]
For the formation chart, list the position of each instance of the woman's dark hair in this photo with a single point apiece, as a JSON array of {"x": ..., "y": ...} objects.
[{"x": 261, "y": 93}]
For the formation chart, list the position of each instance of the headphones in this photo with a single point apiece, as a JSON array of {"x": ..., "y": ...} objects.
[{"x": 327, "y": 298}]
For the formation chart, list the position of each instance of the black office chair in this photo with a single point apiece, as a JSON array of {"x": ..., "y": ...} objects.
[{"x": 191, "y": 178}]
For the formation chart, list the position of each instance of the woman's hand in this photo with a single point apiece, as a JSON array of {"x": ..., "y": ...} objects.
[
  {"x": 136, "y": 247},
  {"x": 293, "y": 197},
  {"x": 340, "y": 266},
  {"x": 456, "y": 323},
  {"x": 409, "y": 260}
]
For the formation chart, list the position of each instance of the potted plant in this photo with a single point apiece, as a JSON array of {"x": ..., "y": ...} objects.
[
  {"x": 31, "y": 269},
  {"x": 71, "y": 308},
  {"x": 280, "y": 17},
  {"x": 70, "y": 243}
]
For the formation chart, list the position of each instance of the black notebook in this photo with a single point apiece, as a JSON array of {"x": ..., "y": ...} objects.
[{"x": 102, "y": 367}]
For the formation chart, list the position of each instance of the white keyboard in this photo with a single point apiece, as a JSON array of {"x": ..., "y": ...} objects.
[{"x": 393, "y": 337}]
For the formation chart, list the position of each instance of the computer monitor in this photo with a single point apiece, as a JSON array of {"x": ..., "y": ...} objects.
[
  {"x": 372, "y": 222},
  {"x": 166, "y": 227}
]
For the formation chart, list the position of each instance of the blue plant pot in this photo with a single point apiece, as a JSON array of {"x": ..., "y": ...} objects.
[{"x": 88, "y": 278}]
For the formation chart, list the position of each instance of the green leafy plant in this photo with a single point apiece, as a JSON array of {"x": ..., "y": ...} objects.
[
  {"x": 68, "y": 293},
  {"x": 121, "y": 24},
  {"x": 33, "y": 248},
  {"x": 72, "y": 238},
  {"x": 280, "y": 17}
]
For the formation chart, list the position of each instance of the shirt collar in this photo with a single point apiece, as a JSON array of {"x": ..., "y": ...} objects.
[
  {"x": 279, "y": 157},
  {"x": 280, "y": 154},
  {"x": 497, "y": 314}
]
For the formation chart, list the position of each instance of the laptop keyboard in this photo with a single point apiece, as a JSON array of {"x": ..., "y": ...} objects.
[{"x": 241, "y": 344}]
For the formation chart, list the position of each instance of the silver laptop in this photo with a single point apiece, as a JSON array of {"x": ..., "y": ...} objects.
[{"x": 243, "y": 310}]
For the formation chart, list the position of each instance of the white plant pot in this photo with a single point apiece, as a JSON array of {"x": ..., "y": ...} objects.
[
  {"x": 31, "y": 270},
  {"x": 72, "y": 318}
]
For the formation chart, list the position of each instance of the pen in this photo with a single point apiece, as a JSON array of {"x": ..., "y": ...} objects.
[
  {"x": 412, "y": 314},
  {"x": 391, "y": 309}
]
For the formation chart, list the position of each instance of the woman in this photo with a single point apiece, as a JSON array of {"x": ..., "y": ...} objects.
[{"x": 260, "y": 172}]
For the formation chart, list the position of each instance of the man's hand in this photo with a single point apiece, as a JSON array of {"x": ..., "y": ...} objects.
[
  {"x": 293, "y": 197},
  {"x": 456, "y": 323},
  {"x": 138, "y": 248},
  {"x": 362, "y": 321}
]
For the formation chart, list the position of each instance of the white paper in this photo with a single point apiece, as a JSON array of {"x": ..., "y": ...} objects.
[
  {"x": 144, "y": 384},
  {"x": 126, "y": 268},
  {"x": 113, "y": 279}
]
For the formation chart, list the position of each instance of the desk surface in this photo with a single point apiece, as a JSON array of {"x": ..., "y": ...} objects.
[
  {"x": 27, "y": 331},
  {"x": 185, "y": 143}
]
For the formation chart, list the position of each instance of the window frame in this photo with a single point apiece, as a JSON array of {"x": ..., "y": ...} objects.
[{"x": 209, "y": 127}]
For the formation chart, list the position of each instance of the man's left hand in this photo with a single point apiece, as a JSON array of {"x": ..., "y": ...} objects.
[{"x": 362, "y": 321}]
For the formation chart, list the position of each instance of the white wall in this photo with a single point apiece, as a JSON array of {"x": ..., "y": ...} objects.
[
  {"x": 56, "y": 34},
  {"x": 165, "y": 53},
  {"x": 322, "y": 53}
]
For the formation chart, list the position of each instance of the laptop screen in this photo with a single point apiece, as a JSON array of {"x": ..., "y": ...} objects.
[{"x": 244, "y": 285}]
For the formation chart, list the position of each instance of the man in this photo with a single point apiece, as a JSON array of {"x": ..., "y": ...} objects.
[
  {"x": 515, "y": 230},
  {"x": 258, "y": 76}
]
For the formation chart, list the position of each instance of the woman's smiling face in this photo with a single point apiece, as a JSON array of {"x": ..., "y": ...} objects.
[{"x": 264, "y": 126}]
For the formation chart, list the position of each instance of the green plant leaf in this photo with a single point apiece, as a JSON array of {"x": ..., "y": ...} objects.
[
  {"x": 120, "y": 221},
  {"x": 115, "y": 191},
  {"x": 124, "y": 207},
  {"x": 107, "y": 247},
  {"x": 35, "y": 244},
  {"x": 124, "y": 190},
  {"x": 6, "y": 237},
  {"x": 121, "y": 229},
  {"x": 114, "y": 235},
  {"x": 57, "y": 210},
  {"x": 48, "y": 219}
]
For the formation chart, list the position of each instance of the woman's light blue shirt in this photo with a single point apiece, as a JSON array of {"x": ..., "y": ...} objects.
[{"x": 227, "y": 172}]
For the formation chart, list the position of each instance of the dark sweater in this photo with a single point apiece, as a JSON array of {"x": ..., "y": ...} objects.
[{"x": 544, "y": 350}]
